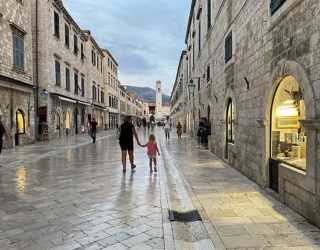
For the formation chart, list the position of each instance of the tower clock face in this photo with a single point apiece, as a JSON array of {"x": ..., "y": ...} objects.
[{"x": 159, "y": 89}]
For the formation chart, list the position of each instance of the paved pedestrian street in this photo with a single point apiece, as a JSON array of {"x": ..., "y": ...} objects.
[{"x": 72, "y": 194}]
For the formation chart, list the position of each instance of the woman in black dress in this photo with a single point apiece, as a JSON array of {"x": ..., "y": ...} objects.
[{"x": 127, "y": 131}]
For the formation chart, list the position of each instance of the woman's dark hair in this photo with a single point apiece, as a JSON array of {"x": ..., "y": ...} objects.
[{"x": 128, "y": 118}]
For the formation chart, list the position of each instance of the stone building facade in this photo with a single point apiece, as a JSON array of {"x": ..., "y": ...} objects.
[
  {"x": 17, "y": 104},
  {"x": 60, "y": 62},
  {"x": 112, "y": 84},
  {"x": 95, "y": 85},
  {"x": 254, "y": 66}
]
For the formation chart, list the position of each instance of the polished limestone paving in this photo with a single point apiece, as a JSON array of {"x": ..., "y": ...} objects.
[
  {"x": 237, "y": 213},
  {"x": 72, "y": 194},
  {"x": 78, "y": 198}
]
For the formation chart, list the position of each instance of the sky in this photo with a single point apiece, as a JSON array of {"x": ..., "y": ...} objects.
[{"x": 146, "y": 37}]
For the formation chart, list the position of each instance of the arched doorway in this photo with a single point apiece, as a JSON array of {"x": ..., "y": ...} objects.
[
  {"x": 58, "y": 124},
  {"x": 76, "y": 112},
  {"x": 288, "y": 137},
  {"x": 68, "y": 122},
  {"x": 230, "y": 131},
  {"x": 20, "y": 126},
  {"x": 83, "y": 115}
]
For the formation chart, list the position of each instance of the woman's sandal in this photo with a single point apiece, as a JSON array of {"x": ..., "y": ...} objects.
[{"x": 133, "y": 167}]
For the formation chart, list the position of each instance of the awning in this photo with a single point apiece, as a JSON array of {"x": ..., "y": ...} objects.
[
  {"x": 66, "y": 99},
  {"x": 84, "y": 103},
  {"x": 113, "y": 110}
]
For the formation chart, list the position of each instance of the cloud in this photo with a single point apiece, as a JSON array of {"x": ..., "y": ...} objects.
[{"x": 145, "y": 36}]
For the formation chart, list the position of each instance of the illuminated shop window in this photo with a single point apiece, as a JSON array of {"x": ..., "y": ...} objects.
[
  {"x": 230, "y": 122},
  {"x": 68, "y": 120},
  {"x": 288, "y": 136},
  {"x": 21, "y": 129}
]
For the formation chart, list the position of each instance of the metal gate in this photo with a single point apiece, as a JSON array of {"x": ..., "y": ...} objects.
[{"x": 273, "y": 174}]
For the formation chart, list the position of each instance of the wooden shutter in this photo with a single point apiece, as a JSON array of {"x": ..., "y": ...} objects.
[
  {"x": 67, "y": 43},
  {"x": 56, "y": 25},
  {"x": 228, "y": 47},
  {"x": 76, "y": 83},
  {"x": 209, "y": 14},
  {"x": 18, "y": 52},
  {"x": 82, "y": 86},
  {"x": 275, "y": 5},
  {"x": 58, "y": 75}
]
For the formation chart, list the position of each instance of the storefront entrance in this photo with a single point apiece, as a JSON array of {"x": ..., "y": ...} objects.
[
  {"x": 58, "y": 124},
  {"x": 288, "y": 138}
]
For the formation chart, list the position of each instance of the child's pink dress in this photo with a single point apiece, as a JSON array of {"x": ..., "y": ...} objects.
[{"x": 152, "y": 150}]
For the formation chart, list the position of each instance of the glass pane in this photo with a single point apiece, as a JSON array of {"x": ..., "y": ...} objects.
[
  {"x": 20, "y": 123},
  {"x": 68, "y": 120},
  {"x": 288, "y": 136}
]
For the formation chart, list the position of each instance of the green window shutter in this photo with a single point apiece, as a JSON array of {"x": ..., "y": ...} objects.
[
  {"x": 21, "y": 53},
  {"x": 76, "y": 83},
  {"x": 82, "y": 86},
  {"x": 67, "y": 40},
  {"x": 56, "y": 25},
  {"x": 228, "y": 47},
  {"x": 275, "y": 5},
  {"x": 67, "y": 79},
  {"x": 58, "y": 74},
  {"x": 75, "y": 44},
  {"x": 18, "y": 52},
  {"x": 209, "y": 14}
]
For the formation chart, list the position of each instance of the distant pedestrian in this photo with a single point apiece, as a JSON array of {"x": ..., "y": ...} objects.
[
  {"x": 93, "y": 125},
  {"x": 205, "y": 133},
  {"x": 127, "y": 132},
  {"x": 167, "y": 128},
  {"x": 152, "y": 152},
  {"x": 199, "y": 132},
  {"x": 2, "y": 132},
  {"x": 179, "y": 130}
]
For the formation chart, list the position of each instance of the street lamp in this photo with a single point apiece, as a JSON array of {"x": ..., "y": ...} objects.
[
  {"x": 191, "y": 87},
  {"x": 44, "y": 94}
]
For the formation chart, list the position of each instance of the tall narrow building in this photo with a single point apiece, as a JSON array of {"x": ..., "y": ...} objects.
[{"x": 162, "y": 110}]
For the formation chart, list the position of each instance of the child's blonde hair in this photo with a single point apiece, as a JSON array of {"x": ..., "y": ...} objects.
[{"x": 152, "y": 138}]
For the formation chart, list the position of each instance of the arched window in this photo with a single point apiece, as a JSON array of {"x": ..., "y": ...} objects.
[
  {"x": 288, "y": 136},
  {"x": 230, "y": 122},
  {"x": 20, "y": 122},
  {"x": 58, "y": 121},
  {"x": 68, "y": 120}
]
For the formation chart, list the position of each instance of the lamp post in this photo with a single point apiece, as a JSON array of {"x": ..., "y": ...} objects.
[
  {"x": 191, "y": 87},
  {"x": 44, "y": 94}
]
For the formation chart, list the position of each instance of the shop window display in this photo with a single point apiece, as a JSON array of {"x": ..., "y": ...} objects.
[
  {"x": 288, "y": 136},
  {"x": 20, "y": 122},
  {"x": 230, "y": 122}
]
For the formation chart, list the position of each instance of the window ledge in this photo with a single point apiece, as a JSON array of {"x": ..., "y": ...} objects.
[
  {"x": 310, "y": 124},
  {"x": 281, "y": 13},
  {"x": 20, "y": 71},
  {"x": 56, "y": 37},
  {"x": 293, "y": 169},
  {"x": 230, "y": 62}
]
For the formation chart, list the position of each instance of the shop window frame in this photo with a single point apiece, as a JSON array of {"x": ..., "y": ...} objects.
[{"x": 23, "y": 124}]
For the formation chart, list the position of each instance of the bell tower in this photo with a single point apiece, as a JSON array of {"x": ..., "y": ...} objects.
[{"x": 158, "y": 99}]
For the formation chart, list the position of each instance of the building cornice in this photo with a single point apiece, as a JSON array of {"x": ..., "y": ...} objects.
[
  {"x": 59, "y": 5},
  {"x": 110, "y": 55},
  {"x": 193, "y": 3}
]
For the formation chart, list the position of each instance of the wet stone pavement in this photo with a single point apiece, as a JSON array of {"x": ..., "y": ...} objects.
[
  {"x": 72, "y": 194},
  {"x": 80, "y": 199}
]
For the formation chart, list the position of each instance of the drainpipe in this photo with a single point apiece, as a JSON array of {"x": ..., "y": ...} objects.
[{"x": 37, "y": 78}]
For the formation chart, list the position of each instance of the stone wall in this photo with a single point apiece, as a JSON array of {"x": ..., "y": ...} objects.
[
  {"x": 265, "y": 48},
  {"x": 16, "y": 91}
]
